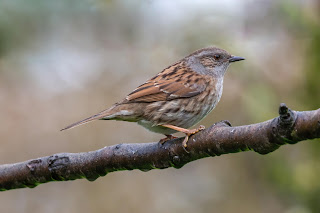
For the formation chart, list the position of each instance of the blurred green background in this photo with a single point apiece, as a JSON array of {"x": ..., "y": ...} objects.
[{"x": 63, "y": 60}]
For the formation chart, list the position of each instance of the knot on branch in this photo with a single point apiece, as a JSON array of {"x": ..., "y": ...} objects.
[
  {"x": 283, "y": 125},
  {"x": 57, "y": 165},
  {"x": 33, "y": 165},
  {"x": 287, "y": 116}
]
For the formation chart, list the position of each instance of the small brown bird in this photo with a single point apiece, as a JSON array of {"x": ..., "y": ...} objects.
[{"x": 176, "y": 98}]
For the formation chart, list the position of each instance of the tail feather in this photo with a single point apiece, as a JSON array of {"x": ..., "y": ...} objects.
[{"x": 98, "y": 116}]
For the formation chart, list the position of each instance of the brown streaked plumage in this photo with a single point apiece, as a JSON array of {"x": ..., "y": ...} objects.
[{"x": 175, "y": 99}]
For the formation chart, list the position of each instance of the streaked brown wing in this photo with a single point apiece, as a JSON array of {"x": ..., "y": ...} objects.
[{"x": 172, "y": 83}]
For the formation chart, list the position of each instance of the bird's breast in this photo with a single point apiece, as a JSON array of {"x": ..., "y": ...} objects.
[
  {"x": 208, "y": 100},
  {"x": 185, "y": 112}
]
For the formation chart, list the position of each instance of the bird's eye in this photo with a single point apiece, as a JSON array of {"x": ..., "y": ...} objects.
[{"x": 217, "y": 56}]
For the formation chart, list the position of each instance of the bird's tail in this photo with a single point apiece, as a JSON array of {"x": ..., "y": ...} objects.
[{"x": 104, "y": 114}]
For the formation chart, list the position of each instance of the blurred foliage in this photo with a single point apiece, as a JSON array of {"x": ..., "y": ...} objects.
[{"x": 299, "y": 180}]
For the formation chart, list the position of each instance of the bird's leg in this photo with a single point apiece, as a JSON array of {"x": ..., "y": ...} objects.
[
  {"x": 188, "y": 132},
  {"x": 167, "y": 138}
]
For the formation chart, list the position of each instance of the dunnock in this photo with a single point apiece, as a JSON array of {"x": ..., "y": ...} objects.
[{"x": 176, "y": 98}]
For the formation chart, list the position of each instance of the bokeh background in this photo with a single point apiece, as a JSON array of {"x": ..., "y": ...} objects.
[{"x": 63, "y": 60}]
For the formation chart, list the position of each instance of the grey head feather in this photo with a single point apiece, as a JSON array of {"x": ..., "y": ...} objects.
[{"x": 213, "y": 67}]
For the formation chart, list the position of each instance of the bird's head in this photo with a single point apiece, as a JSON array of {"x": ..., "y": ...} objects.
[{"x": 211, "y": 61}]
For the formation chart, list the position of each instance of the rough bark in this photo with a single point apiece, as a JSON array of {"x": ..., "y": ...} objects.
[{"x": 290, "y": 127}]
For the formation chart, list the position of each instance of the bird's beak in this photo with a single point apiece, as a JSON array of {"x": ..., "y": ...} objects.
[{"x": 235, "y": 58}]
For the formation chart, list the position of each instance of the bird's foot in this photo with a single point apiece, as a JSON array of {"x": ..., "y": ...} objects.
[
  {"x": 167, "y": 138},
  {"x": 188, "y": 132},
  {"x": 191, "y": 132}
]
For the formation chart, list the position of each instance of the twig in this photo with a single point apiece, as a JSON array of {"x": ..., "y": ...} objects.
[{"x": 290, "y": 127}]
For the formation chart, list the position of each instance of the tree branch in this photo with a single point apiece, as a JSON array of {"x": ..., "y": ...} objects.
[{"x": 290, "y": 127}]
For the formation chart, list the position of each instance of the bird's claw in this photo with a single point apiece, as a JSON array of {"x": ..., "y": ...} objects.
[{"x": 191, "y": 132}]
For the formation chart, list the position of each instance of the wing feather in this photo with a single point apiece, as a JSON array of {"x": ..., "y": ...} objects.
[{"x": 174, "y": 82}]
